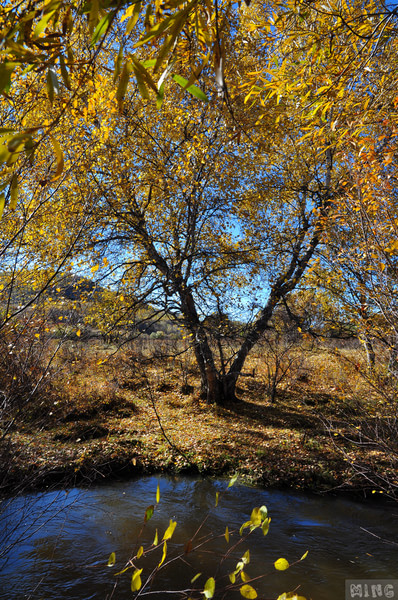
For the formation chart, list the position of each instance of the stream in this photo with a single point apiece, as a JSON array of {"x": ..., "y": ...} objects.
[{"x": 56, "y": 545}]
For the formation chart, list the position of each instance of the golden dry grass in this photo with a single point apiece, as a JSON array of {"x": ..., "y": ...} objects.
[{"x": 120, "y": 415}]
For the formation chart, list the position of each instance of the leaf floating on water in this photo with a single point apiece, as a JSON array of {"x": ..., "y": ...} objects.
[{"x": 157, "y": 494}]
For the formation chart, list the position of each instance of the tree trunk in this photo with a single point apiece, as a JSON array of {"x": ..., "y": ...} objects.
[
  {"x": 219, "y": 387},
  {"x": 370, "y": 353},
  {"x": 365, "y": 338}
]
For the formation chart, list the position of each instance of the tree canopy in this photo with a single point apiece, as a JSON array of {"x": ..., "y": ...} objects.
[{"x": 207, "y": 157}]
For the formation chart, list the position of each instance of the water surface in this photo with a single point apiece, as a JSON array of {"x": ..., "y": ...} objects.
[{"x": 56, "y": 545}]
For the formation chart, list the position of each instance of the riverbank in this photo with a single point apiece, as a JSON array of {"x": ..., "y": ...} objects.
[{"x": 309, "y": 439}]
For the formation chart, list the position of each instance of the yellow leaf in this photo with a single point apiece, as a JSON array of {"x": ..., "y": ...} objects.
[
  {"x": 210, "y": 586},
  {"x": 140, "y": 552},
  {"x": 170, "y": 530},
  {"x": 164, "y": 554},
  {"x": 226, "y": 534},
  {"x": 78, "y": 333},
  {"x": 111, "y": 560},
  {"x": 59, "y": 158},
  {"x": 247, "y": 591},
  {"x": 156, "y": 539},
  {"x": 157, "y": 494},
  {"x": 136, "y": 580},
  {"x": 2, "y": 203},
  {"x": 95, "y": 268},
  {"x": 281, "y": 564}
]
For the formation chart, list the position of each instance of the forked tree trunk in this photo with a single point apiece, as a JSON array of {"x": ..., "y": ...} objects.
[{"x": 219, "y": 387}]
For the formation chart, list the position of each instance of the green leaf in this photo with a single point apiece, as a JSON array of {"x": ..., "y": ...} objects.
[
  {"x": 149, "y": 513},
  {"x": 195, "y": 91},
  {"x": 4, "y": 153},
  {"x": 134, "y": 18},
  {"x": 123, "y": 83},
  {"x": 42, "y": 24},
  {"x": 93, "y": 16},
  {"x": 209, "y": 588},
  {"x": 52, "y": 84},
  {"x": 64, "y": 72},
  {"x": 246, "y": 557},
  {"x": 136, "y": 580},
  {"x": 111, "y": 560},
  {"x": 232, "y": 481},
  {"x": 142, "y": 73},
  {"x": 281, "y": 564},
  {"x": 160, "y": 96},
  {"x": 247, "y": 591},
  {"x": 16, "y": 141},
  {"x": 102, "y": 27},
  {"x": 118, "y": 63},
  {"x": 196, "y": 577},
  {"x": 6, "y": 70}
]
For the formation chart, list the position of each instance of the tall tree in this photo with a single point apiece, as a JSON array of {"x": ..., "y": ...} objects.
[{"x": 193, "y": 221}]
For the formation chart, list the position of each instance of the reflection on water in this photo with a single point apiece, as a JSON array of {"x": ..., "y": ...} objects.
[{"x": 65, "y": 556}]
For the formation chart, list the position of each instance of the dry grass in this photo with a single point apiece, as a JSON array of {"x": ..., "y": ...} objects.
[{"x": 130, "y": 412}]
